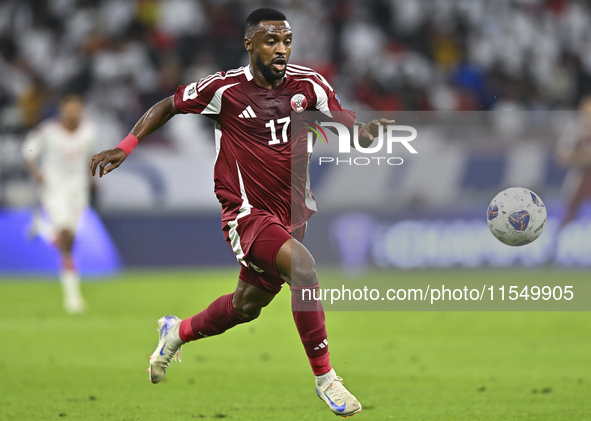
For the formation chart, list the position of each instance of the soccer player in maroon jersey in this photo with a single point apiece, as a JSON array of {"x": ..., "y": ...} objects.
[{"x": 260, "y": 177}]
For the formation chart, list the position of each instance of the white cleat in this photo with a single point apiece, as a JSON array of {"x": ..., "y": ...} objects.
[
  {"x": 75, "y": 305},
  {"x": 330, "y": 389},
  {"x": 169, "y": 347}
]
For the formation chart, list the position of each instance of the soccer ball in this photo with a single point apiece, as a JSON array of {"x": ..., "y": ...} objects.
[{"x": 516, "y": 216}]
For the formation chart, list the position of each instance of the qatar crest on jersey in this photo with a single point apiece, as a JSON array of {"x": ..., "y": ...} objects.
[{"x": 299, "y": 103}]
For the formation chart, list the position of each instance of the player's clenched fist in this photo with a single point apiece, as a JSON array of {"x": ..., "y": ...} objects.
[{"x": 107, "y": 161}]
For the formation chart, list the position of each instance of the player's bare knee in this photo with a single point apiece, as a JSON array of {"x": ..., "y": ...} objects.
[
  {"x": 303, "y": 267},
  {"x": 66, "y": 240},
  {"x": 304, "y": 274}
]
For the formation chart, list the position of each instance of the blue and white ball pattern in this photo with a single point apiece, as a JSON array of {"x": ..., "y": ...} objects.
[{"x": 516, "y": 216}]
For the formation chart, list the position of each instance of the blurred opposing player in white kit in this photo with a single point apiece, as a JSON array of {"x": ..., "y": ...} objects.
[
  {"x": 56, "y": 154},
  {"x": 574, "y": 151}
]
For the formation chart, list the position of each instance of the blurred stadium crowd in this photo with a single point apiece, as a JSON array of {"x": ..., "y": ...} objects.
[{"x": 381, "y": 54}]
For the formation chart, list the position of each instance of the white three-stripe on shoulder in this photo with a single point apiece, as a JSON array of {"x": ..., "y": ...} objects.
[
  {"x": 295, "y": 70},
  {"x": 297, "y": 66},
  {"x": 218, "y": 76},
  {"x": 205, "y": 79}
]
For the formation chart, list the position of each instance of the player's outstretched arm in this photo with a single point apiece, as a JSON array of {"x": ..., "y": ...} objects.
[
  {"x": 34, "y": 170},
  {"x": 371, "y": 130},
  {"x": 152, "y": 120}
]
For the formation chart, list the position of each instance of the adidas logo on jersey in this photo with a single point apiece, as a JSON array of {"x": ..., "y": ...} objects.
[{"x": 248, "y": 113}]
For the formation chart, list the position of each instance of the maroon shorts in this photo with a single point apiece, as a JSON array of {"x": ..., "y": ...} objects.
[{"x": 256, "y": 239}]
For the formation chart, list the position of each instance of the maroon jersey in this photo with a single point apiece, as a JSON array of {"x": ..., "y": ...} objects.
[{"x": 262, "y": 160}]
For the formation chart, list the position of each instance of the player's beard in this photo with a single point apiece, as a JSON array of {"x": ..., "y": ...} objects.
[{"x": 268, "y": 72}]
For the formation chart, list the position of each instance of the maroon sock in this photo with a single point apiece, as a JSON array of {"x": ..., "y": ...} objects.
[
  {"x": 308, "y": 315},
  {"x": 215, "y": 319}
]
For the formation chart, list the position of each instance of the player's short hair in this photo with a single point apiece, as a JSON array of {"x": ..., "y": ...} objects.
[
  {"x": 67, "y": 97},
  {"x": 259, "y": 15}
]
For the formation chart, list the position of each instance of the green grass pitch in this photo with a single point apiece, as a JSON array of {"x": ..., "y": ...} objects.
[{"x": 401, "y": 365}]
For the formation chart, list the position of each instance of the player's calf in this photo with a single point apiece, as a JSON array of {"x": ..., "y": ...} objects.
[
  {"x": 248, "y": 301},
  {"x": 248, "y": 311}
]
